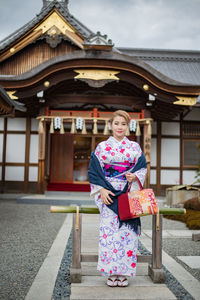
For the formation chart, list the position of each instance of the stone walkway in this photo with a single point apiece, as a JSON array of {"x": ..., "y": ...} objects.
[
  {"x": 42, "y": 287},
  {"x": 94, "y": 286}
]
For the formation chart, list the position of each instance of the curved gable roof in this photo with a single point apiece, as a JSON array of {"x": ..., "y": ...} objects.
[
  {"x": 179, "y": 65},
  {"x": 77, "y": 25}
]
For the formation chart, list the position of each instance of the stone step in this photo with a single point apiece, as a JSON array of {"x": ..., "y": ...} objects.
[
  {"x": 131, "y": 292},
  {"x": 88, "y": 281}
]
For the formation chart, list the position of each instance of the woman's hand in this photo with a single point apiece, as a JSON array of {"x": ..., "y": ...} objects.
[
  {"x": 131, "y": 177},
  {"x": 105, "y": 196}
]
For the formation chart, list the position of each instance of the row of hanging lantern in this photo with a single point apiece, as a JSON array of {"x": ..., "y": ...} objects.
[{"x": 79, "y": 123}]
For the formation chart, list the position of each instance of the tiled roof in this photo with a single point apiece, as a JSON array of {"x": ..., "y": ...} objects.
[
  {"x": 107, "y": 55},
  {"x": 82, "y": 29},
  {"x": 179, "y": 65},
  {"x": 7, "y": 105}
]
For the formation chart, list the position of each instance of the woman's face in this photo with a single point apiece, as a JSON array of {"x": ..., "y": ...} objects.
[{"x": 119, "y": 127}]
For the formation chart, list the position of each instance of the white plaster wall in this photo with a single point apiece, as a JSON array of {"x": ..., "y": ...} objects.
[
  {"x": 153, "y": 177},
  {"x": 170, "y": 177},
  {"x": 16, "y": 124},
  {"x": 33, "y": 174},
  {"x": 14, "y": 174},
  {"x": 170, "y": 152},
  {"x": 153, "y": 152},
  {"x": 194, "y": 115},
  {"x": 34, "y": 148},
  {"x": 34, "y": 124},
  {"x": 188, "y": 177},
  {"x": 1, "y": 123},
  {"x": 15, "y": 148},
  {"x": 1, "y": 147},
  {"x": 154, "y": 128},
  {"x": 170, "y": 128},
  {"x": 0, "y": 172}
]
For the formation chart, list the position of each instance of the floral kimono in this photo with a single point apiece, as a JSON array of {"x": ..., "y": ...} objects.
[{"x": 117, "y": 246}]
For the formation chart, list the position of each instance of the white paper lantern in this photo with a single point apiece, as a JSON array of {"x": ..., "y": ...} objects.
[{"x": 57, "y": 123}]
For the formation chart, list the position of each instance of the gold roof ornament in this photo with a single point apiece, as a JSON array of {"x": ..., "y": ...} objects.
[
  {"x": 11, "y": 95},
  {"x": 185, "y": 100},
  {"x": 55, "y": 20},
  {"x": 97, "y": 74},
  {"x": 46, "y": 84},
  {"x": 146, "y": 87}
]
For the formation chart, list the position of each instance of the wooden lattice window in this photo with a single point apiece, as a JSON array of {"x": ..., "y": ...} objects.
[
  {"x": 191, "y": 129},
  {"x": 191, "y": 154}
]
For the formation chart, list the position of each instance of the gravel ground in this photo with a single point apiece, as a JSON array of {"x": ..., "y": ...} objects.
[
  {"x": 26, "y": 235},
  {"x": 183, "y": 247},
  {"x": 62, "y": 288},
  {"x": 167, "y": 224},
  {"x": 176, "y": 288}
]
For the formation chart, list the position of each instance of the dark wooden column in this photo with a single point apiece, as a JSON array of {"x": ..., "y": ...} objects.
[
  {"x": 155, "y": 270},
  {"x": 181, "y": 149},
  {"x": 41, "y": 160},
  {"x": 4, "y": 154},
  {"x": 27, "y": 154},
  {"x": 158, "y": 171},
  {"x": 75, "y": 270},
  {"x": 147, "y": 151}
]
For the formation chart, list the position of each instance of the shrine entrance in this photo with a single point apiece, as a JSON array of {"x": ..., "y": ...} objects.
[
  {"x": 68, "y": 149},
  {"x": 70, "y": 156}
]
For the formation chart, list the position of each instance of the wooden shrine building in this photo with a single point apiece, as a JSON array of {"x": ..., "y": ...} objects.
[{"x": 60, "y": 82}]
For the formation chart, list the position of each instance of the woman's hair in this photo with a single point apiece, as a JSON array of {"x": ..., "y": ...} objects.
[{"x": 120, "y": 113}]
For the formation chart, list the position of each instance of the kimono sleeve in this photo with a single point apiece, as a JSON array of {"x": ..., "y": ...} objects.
[
  {"x": 140, "y": 174},
  {"x": 94, "y": 189}
]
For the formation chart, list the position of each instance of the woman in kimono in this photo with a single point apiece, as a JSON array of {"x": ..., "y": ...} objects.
[{"x": 118, "y": 245}]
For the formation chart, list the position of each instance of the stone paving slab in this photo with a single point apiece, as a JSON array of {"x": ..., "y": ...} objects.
[
  {"x": 131, "y": 292},
  {"x": 191, "y": 284},
  {"x": 43, "y": 284},
  {"x": 142, "y": 280},
  {"x": 171, "y": 233},
  {"x": 192, "y": 261},
  {"x": 94, "y": 286}
]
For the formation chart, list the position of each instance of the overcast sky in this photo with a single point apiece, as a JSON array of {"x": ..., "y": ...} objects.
[{"x": 165, "y": 24}]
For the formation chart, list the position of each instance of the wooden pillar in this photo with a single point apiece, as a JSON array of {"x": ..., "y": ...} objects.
[
  {"x": 75, "y": 271},
  {"x": 181, "y": 149},
  {"x": 158, "y": 157},
  {"x": 147, "y": 151},
  {"x": 41, "y": 159},
  {"x": 4, "y": 155},
  {"x": 27, "y": 154},
  {"x": 155, "y": 270}
]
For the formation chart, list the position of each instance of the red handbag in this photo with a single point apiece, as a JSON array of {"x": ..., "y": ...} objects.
[{"x": 135, "y": 204}]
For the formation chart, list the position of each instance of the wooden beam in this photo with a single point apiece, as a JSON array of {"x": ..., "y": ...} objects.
[
  {"x": 101, "y": 61},
  {"x": 68, "y": 98},
  {"x": 20, "y": 45}
]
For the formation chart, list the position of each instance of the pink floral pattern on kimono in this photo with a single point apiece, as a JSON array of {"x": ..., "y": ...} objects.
[{"x": 117, "y": 246}]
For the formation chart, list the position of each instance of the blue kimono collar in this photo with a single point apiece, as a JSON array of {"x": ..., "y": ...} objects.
[{"x": 96, "y": 176}]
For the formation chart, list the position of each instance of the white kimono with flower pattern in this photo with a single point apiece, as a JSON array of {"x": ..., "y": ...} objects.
[{"x": 117, "y": 246}]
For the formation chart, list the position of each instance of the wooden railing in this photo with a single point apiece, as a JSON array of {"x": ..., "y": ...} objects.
[{"x": 155, "y": 270}]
